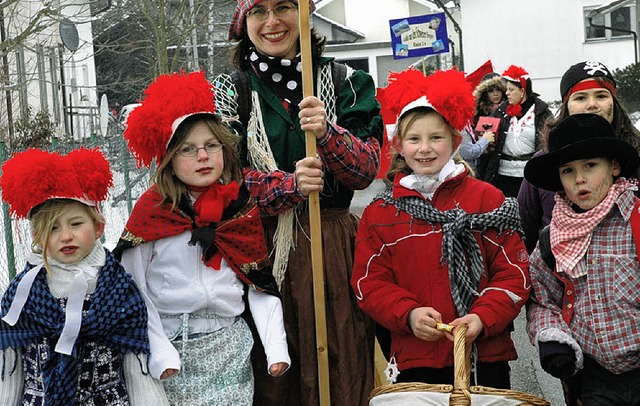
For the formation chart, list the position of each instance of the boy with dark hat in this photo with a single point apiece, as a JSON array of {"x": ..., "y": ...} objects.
[
  {"x": 585, "y": 87},
  {"x": 584, "y": 314}
]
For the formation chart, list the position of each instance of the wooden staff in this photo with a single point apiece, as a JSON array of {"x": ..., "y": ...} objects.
[{"x": 314, "y": 216}]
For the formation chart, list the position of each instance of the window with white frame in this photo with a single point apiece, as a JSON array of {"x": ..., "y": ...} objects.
[{"x": 620, "y": 18}]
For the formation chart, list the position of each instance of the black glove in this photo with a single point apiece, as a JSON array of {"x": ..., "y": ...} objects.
[{"x": 557, "y": 359}]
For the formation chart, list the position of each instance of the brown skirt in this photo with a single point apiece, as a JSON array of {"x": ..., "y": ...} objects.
[{"x": 350, "y": 333}]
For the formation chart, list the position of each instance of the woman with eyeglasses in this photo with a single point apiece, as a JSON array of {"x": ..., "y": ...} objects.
[
  {"x": 195, "y": 246},
  {"x": 263, "y": 101}
]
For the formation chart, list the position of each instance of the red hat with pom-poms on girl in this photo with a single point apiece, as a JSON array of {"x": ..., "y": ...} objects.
[
  {"x": 166, "y": 103},
  {"x": 446, "y": 92},
  {"x": 34, "y": 176}
]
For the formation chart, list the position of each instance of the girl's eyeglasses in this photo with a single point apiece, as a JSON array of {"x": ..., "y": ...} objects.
[
  {"x": 191, "y": 151},
  {"x": 259, "y": 13}
]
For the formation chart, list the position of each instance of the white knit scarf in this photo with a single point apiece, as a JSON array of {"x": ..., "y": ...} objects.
[{"x": 428, "y": 184}]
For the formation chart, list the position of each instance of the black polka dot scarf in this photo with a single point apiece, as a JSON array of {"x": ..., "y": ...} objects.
[{"x": 283, "y": 76}]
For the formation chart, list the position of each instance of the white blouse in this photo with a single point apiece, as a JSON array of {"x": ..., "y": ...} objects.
[
  {"x": 174, "y": 281},
  {"x": 521, "y": 140}
]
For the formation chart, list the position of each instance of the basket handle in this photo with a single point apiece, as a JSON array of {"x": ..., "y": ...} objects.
[{"x": 461, "y": 368}]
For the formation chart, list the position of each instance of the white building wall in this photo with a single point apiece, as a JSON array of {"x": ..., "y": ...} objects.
[
  {"x": 80, "y": 71},
  {"x": 21, "y": 83},
  {"x": 78, "y": 68},
  {"x": 371, "y": 18},
  {"x": 545, "y": 37}
]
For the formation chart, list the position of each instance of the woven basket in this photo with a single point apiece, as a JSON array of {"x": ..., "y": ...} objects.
[{"x": 458, "y": 394}]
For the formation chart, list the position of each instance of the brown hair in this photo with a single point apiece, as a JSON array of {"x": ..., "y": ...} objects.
[
  {"x": 622, "y": 125},
  {"x": 173, "y": 189},
  {"x": 44, "y": 216},
  {"x": 484, "y": 106},
  {"x": 398, "y": 163}
]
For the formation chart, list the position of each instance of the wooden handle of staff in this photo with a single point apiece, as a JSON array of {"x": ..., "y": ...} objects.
[{"x": 314, "y": 217}]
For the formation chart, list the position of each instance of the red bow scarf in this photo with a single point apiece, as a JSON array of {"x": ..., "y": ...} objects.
[
  {"x": 224, "y": 224},
  {"x": 208, "y": 209},
  {"x": 514, "y": 110}
]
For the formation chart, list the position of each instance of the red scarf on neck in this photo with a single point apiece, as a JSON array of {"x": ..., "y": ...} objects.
[
  {"x": 239, "y": 238},
  {"x": 514, "y": 110},
  {"x": 212, "y": 201}
]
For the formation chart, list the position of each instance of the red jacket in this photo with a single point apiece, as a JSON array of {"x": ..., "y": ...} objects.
[{"x": 398, "y": 268}]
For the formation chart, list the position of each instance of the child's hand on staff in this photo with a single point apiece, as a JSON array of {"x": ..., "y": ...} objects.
[
  {"x": 489, "y": 136},
  {"x": 168, "y": 373},
  {"x": 278, "y": 369}
]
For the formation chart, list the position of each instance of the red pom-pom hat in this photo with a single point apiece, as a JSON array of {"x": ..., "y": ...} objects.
[
  {"x": 34, "y": 176},
  {"x": 446, "y": 92},
  {"x": 518, "y": 75},
  {"x": 166, "y": 103}
]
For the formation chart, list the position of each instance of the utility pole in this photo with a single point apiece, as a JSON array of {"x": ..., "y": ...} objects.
[
  {"x": 194, "y": 38},
  {"x": 5, "y": 77},
  {"x": 210, "y": 37},
  {"x": 637, "y": 23},
  {"x": 456, "y": 26}
]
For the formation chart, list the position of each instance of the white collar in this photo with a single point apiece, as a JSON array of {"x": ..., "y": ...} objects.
[{"x": 428, "y": 184}]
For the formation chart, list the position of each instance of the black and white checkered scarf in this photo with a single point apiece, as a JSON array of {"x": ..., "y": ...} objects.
[{"x": 460, "y": 250}]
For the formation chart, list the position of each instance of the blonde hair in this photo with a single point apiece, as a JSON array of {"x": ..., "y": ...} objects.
[
  {"x": 398, "y": 163},
  {"x": 173, "y": 189},
  {"x": 44, "y": 216}
]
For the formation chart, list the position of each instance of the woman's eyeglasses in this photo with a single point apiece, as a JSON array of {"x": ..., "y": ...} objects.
[
  {"x": 191, "y": 151},
  {"x": 259, "y": 13}
]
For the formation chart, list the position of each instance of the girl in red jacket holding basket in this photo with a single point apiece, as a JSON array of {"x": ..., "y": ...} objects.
[{"x": 439, "y": 246}]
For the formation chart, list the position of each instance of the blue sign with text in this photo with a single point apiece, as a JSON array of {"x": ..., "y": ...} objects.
[{"x": 419, "y": 36}]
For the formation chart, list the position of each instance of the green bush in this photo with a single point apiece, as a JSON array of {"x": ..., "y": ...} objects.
[
  {"x": 628, "y": 86},
  {"x": 34, "y": 131}
]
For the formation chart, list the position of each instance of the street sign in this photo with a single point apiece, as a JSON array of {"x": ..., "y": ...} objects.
[{"x": 419, "y": 36}]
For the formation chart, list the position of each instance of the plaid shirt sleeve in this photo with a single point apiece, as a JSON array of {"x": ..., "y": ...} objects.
[
  {"x": 274, "y": 192},
  {"x": 544, "y": 312},
  {"x": 544, "y": 309},
  {"x": 353, "y": 161}
]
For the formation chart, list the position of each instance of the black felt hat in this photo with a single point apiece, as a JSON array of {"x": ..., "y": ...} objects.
[
  {"x": 582, "y": 71},
  {"x": 581, "y": 136}
]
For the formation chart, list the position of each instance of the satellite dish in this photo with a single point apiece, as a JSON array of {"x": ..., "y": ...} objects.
[
  {"x": 69, "y": 34},
  {"x": 104, "y": 115}
]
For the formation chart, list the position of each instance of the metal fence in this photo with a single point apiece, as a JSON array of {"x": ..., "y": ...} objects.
[{"x": 129, "y": 183}]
